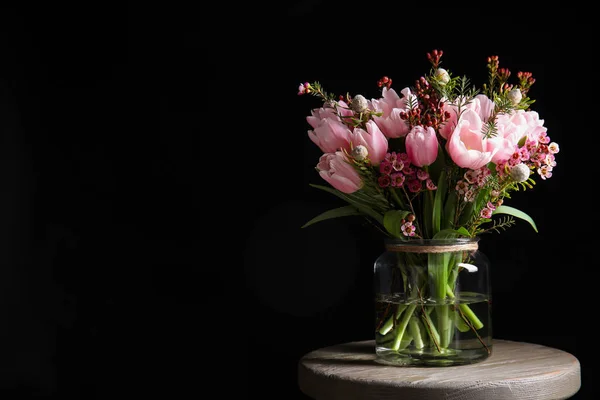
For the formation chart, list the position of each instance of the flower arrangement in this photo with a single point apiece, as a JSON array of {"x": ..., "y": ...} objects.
[
  {"x": 441, "y": 155},
  {"x": 438, "y": 160}
]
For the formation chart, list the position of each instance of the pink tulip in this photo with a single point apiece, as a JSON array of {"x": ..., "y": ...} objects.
[
  {"x": 374, "y": 140},
  {"x": 467, "y": 146},
  {"x": 448, "y": 126},
  {"x": 391, "y": 106},
  {"x": 319, "y": 114},
  {"x": 421, "y": 146},
  {"x": 510, "y": 129},
  {"x": 331, "y": 135},
  {"x": 481, "y": 104},
  {"x": 335, "y": 169}
]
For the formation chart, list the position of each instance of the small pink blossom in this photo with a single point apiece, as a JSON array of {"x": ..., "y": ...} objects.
[
  {"x": 553, "y": 148},
  {"x": 304, "y": 88},
  {"x": 405, "y": 158},
  {"x": 422, "y": 145},
  {"x": 515, "y": 158},
  {"x": 483, "y": 176},
  {"x": 550, "y": 160},
  {"x": 384, "y": 181},
  {"x": 385, "y": 168},
  {"x": 486, "y": 213},
  {"x": 422, "y": 174},
  {"x": 397, "y": 179},
  {"x": 545, "y": 171},
  {"x": 470, "y": 195},
  {"x": 391, "y": 157},
  {"x": 408, "y": 170},
  {"x": 491, "y": 205},
  {"x": 495, "y": 193},
  {"x": 337, "y": 171},
  {"x": 408, "y": 229},
  {"x": 543, "y": 138},
  {"x": 524, "y": 154},
  {"x": 398, "y": 165},
  {"x": 414, "y": 185},
  {"x": 501, "y": 168},
  {"x": 471, "y": 176},
  {"x": 430, "y": 185},
  {"x": 462, "y": 187}
]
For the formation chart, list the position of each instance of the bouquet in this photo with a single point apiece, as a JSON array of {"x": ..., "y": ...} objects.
[{"x": 438, "y": 160}]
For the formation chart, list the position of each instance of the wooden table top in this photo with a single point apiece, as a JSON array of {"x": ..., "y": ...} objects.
[{"x": 515, "y": 370}]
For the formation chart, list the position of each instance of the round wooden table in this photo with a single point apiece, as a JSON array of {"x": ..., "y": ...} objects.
[{"x": 515, "y": 370}]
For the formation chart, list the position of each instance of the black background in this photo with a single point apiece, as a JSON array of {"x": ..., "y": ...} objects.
[{"x": 156, "y": 170}]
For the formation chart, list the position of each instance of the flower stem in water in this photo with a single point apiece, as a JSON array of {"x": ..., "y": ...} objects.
[{"x": 402, "y": 326}]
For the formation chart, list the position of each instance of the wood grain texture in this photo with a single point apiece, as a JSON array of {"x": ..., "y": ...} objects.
[{"x": 515, "y": 370}]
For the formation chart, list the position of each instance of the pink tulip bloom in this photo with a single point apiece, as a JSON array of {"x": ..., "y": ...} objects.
[
  {"x": 481, "y": 104},
  {"x": 344, "y": 109},
  {"x": 373, "y": 139},
  {"x": 391, "y": 105},
  {"x": 331, "y": 135},
  {"x": 510, "y": 129},
  {"x": 319, "y": 114},
  {"x": 467, "y": 146},
  {"x": 337, "y": 171},
  {"x": 448, "y": 126},
  {"x": 422, "y": 146}
]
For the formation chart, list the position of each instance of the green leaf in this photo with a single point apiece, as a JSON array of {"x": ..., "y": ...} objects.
[
  {"x": 392, "y": 221},
  {"x": 438, "y": 165},
  {"x": 449, "y": 210},
  {"x": 344, "y": 211},
  {"x": 427, "y": 214},
  {"x": 440, "y": 193},
  {"x": 466, "y": 214},
  {"x": 452, "y": 233},
  {"x": 515, "y": 213},
  {"x": 362, "y": 207}
]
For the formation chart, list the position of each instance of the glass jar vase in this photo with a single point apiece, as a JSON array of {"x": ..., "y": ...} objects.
[{"x": 432, "y": 303}]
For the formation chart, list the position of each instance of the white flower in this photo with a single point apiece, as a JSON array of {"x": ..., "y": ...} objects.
[
  {"x": 359, "y": 103},
  {"x": 442, "y": 75},
  {"x": 360, "y": 152},
  {"x": 515, "y": 96},
  {"x": 520, "y": 172}
]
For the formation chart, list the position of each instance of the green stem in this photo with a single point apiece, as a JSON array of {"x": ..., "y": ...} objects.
[
  {"x": 433, "y": 333},
  {"x": 397, "y": 198},
  {"x": 402, "y": 326},
  {"x": 415, "y": 330},
  {"x": 444, "y": 324},
  {"x": 460, "y": 323},
  {"x": 466, "y": 310},
  {"x": 389, "y": 324}
]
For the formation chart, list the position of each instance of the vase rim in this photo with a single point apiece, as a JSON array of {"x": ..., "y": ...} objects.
[{"x": 430, "y": 242}]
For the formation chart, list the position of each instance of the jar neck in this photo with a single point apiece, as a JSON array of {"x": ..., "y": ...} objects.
[{"x": 431, "y": 245}]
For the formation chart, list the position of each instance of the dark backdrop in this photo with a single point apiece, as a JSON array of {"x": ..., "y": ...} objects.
[{"x": 156, "y": 170}]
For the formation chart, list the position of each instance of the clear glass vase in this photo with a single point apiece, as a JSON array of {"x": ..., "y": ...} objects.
[{"x": 432, "y": 303}]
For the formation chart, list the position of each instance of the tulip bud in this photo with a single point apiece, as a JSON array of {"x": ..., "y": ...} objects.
[
  {"x": 520, "y": 173},
  {"x": 360, "y": 152},
  {"x": 359, "y": 104},
  {"x": 442, "y": 75},
  {"x": 515, "y": 96}
]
